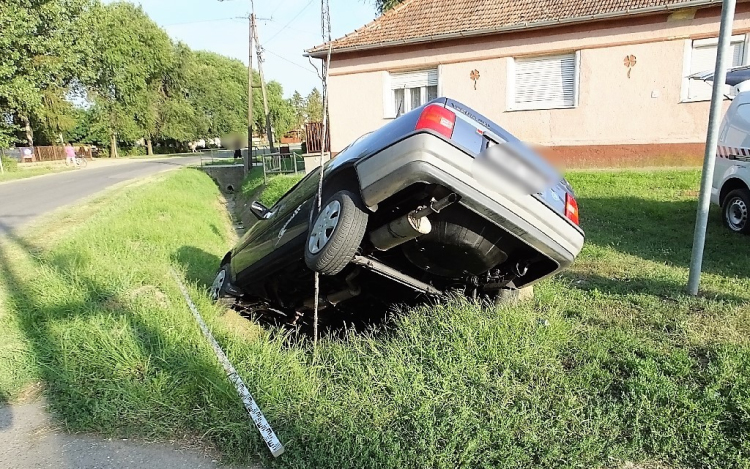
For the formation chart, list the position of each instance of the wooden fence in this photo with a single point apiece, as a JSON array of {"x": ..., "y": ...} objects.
[
  {"x": 55, "y": 153},
  {"x": 313, "y": 134}
]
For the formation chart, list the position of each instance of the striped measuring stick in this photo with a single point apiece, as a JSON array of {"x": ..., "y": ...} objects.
[{"x": 266, "y": 432}]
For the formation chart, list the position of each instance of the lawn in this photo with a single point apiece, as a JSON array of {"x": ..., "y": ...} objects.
[
  {"x": 24, "y": 173},
  {"x": 611, "y": 362}
]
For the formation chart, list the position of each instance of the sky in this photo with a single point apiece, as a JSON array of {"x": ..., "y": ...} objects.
[{"x": 286, "y": 28}]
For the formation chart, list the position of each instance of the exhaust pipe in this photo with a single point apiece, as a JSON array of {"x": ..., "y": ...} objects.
[
  {"x": 400, "y": 230},
  {"x": 410, "y": 226},
  {"x": 335, "y": 298}
]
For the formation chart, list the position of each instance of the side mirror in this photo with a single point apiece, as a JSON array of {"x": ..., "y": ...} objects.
[{"x": 260, "y": 210}]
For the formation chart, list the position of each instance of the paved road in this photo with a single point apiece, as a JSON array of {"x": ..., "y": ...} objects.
[
  {"x": 22, "y": 201},
  {"x": 29, "y": 440}
]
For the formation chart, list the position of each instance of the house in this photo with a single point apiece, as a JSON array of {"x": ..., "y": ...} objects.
[{"x": 593, "y": 80}]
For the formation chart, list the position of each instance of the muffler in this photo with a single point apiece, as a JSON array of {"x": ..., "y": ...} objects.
[
  {"x": 410, "y": 226},
  {"x": 400, "y": 230}
]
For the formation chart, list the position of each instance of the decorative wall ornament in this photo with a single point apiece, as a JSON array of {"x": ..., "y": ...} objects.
[
  {"x": 474, "y": 75},
  {"x": 629, "y": 62}
]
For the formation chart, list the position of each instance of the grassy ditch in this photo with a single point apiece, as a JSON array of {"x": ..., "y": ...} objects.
[
  {"x": 610, "y": 363},
  {"x": 270, "y": 193}
]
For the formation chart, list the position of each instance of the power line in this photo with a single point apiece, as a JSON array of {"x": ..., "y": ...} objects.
[
  {"x": 290, "y": 21},
  {"x": 277, "y": 7},
  {"x": 287, "y": 60},
  {"x": 201, "y": 21}
]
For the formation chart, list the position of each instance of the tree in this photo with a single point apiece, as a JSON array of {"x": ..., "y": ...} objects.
[
  {"x": 130, "y": 55},
  {"x": 314, "y": 106},
  {"x": 40, "y": 59},
  {"x": 217, "y": 90},
  {"x": 298, "y": 106},
  {"x": 385, "y": 5},
  {"x": 281, "y": 110}
]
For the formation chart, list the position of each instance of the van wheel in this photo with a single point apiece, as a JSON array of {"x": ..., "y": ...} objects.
[
  {"x": 335, "y": 234},
  {"x": 736, "y": 207}
]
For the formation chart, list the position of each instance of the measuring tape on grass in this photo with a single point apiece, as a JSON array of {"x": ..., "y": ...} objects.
[{"x": 266, "y": 432}]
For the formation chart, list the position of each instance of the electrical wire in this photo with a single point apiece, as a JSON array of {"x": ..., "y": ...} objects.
[
  {"x": 216, "y": 20},
  {"x": 287, "y": 60},
  {"x": 289, "y": 22}
]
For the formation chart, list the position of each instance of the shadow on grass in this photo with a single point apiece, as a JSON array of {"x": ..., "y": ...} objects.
[
  {"x": 108, "y": 367},
  {"x": 6, "y": 414},
  {"x": 659, "y": 287},
  {"x": 662, "y": 231},
  {"x": 200, "y": 266}
]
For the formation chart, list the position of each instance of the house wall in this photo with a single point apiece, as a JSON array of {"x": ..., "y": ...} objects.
[{"x": 640, "y": 112}]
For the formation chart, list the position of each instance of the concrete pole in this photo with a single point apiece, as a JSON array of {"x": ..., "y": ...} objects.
[
  {"x": 714, "y": 120},
  {"x": 249, "y": 155},
  {"x": 269, "y": 132}
]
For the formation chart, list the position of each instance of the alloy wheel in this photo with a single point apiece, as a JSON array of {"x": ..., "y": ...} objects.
[{"x": 323, "y": 228}]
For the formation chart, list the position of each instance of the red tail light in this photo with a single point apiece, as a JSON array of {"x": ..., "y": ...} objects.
[
  {"x": 437, "y": 118},
  {"x": 571, "y": 208}
]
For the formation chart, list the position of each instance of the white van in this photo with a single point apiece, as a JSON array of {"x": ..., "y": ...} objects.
[{"x": 732, "y": 174}]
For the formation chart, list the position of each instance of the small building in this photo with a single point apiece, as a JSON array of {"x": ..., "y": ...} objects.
[{"x": 591, "y": 80}]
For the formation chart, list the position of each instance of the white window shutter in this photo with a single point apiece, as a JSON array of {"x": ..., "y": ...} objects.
[
  {"x": 414, "y": 85},
  {"x": 545, "y": 82},
  {"x": 414, "y": 79}
]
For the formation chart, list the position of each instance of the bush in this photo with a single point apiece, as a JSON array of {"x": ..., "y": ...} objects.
[
  {"x": 9, "y": 164},
  {"x": 133, "y": 151}
]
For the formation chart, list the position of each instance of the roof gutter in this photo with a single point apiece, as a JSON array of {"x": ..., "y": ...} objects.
[{"x": 516, "y": 27}]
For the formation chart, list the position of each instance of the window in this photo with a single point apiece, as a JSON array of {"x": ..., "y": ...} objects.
[
  {"x": 409, "y": 90},
  {"x": 548, "y": 82},
  {"x": 700, "y": 56}
]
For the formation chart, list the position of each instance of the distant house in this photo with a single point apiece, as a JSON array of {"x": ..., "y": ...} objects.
[{"x": 588, "y": 78}]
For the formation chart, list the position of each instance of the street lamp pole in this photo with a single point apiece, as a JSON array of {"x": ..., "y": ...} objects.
[{"x": 712, "y": 138}]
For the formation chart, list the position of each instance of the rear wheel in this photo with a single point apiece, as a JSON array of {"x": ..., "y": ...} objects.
[
  {"x": 736, "y": 207},
  {"x": 335, "y": 234}
]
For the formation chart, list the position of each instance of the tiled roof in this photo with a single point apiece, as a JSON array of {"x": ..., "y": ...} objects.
[{"x": 428, "y": 20}]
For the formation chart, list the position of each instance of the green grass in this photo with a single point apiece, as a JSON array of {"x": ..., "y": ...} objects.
[
  {"x": 253, "y": 182},
  {"x": 269, "y": 194},
  {"x": 610, "y": 362},
  {"x": 23, "y": 173},
  {"x": 278, "y": 186}
]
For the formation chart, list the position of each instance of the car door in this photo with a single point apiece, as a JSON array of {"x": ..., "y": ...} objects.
[{"x": 271, "y": 242}]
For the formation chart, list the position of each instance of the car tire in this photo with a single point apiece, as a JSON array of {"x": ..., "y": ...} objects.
[
  {"x": 736, "y": 211},
  {"x": 335, "y": 234},
  {"x": 218, "y": 291}
]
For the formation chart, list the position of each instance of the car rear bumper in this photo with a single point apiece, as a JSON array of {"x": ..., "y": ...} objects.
[{"x": 425, "y": 158}]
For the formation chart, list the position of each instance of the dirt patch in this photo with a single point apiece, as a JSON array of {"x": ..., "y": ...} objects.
[
  {"x": 151, "y": 293},
  {"x": 31, "y": 392}
]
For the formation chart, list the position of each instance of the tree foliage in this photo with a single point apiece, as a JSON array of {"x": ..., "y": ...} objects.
[
  {"x": 86, "y": 71},
  {"x": 39, "y": 51},
  {"x": 314, "y": 106},
  {"x": 385, "y": 5}
]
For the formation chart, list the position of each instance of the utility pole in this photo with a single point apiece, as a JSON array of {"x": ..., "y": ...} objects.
[
  {"x": 249, "y": 156},
  {"x": 259, "y": 51}
]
